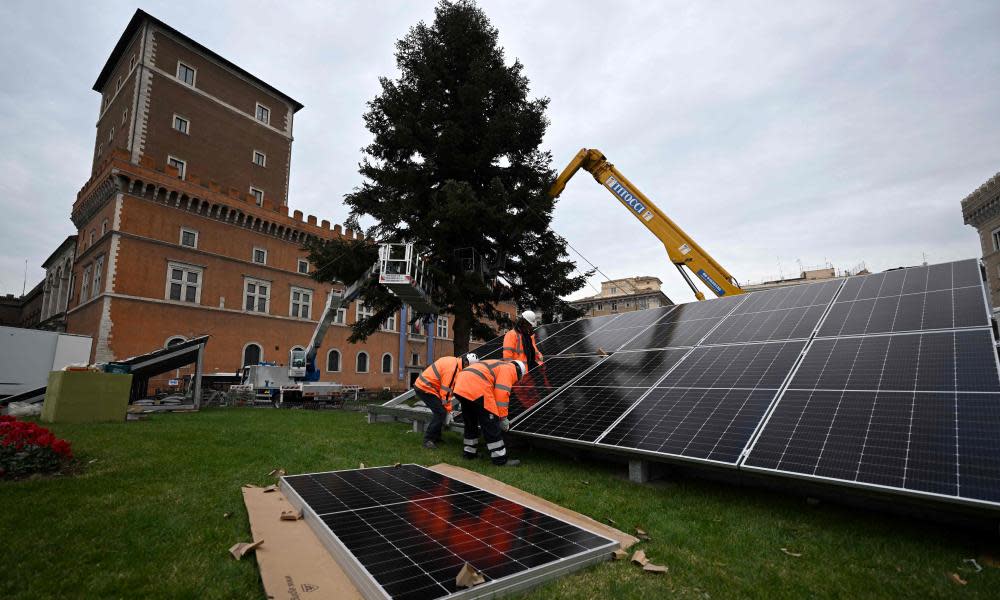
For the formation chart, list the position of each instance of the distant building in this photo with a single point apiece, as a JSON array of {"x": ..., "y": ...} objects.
[
  {"x": 22, "y": 311},
  {"x": 806, "y": 276},
  {"x": 624, "y": 295},
  {"x": 57, "y": 286},
  {"x": 981, "y": 209}
]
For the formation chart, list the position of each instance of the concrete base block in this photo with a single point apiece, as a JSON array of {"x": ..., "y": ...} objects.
[
  {"x": 638, "y": 471},
  {"x": 419, "y": 426}
]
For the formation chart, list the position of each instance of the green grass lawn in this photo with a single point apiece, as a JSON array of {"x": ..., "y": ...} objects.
[{"x": 144, "y": 518}]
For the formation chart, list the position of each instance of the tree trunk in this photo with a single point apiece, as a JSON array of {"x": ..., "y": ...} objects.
[{"x": 463, "y": 326}]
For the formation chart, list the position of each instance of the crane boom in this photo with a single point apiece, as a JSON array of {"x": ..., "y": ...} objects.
[{"x": 681, "y": 248}]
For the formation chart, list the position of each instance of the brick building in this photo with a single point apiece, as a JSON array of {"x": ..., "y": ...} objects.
[
  {"x": 624, "y": 295},
  {"x": 184, "y": 226},
  {"x": 981, "y": 209}
]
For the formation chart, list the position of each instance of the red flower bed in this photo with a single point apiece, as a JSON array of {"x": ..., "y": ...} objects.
[{"x": 26, "y": 448}]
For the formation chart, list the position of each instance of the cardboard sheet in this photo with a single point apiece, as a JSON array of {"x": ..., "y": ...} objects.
[{"x": 294, "y": 565}]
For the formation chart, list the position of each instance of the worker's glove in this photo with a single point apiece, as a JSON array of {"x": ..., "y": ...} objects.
[
  {"x": 504, "y": 424},
  {"x": 449, "y": 419}
]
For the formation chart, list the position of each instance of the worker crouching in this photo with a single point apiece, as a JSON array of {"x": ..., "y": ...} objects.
[
  {"x": 483, "y": 389},
  {"x": 435, "y": 388}
]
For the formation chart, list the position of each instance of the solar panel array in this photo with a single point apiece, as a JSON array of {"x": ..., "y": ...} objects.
[
  {"x": 888, "y": 381},
  {"x": 405, "y": 532}
]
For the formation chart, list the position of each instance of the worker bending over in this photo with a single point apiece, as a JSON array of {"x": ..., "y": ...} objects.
[
  {"x": 434, "y": 387},
  {"x": 483, "y": 389},
  {"x": 520, "y": 344}
]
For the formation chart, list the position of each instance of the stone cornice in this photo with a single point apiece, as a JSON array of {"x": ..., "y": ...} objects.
[{"x": 982, "y": 204}]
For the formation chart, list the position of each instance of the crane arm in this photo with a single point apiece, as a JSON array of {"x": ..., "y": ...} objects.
[
  {"x": 333, "y": 304},
  {"x": 681, "y": 248}
]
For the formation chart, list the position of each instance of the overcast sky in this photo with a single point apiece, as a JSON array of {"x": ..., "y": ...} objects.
[{"x": 774, "y": 133}]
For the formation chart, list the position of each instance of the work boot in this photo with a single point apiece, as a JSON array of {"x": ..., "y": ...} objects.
[
  {"x": 511, "y": 462},
  {"x": 468, "y": 456},
  {"x": 430, "y": 445}
]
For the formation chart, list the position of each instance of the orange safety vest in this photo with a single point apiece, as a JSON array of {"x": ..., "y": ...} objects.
[
  {"x": 439, "y": 378},
  {"x": 490, "y": 379},
  {"x": 513, "y": 349}
]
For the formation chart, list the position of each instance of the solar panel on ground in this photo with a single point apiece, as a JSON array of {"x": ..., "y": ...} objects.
[
  {"x": 405, "y": 532},
  {"x": 573, "y": 333},
  {"x": 491, "y": 349},
  {"x": 579, "y": 413},
  {"x": 783, "y": 314},
  {"x": 915, "y": 413}
]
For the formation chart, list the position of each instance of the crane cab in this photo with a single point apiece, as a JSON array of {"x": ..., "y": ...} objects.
[
  {"x": 297, "y": 364},
  {"x": 401, "y": 270}
]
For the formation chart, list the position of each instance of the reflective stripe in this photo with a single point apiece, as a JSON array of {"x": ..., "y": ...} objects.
[
  {"x": 498, "y": 453},
  {"x": 427, "y": 381},
  {"x": 503, "y": 403},
  {"x": 435, "y": 369},
  {"x": 445, "y": 388},
  {"x": 469, "y": 450},
  {"x": 509, "y": 348},
  {"x": 495, "y": 445},
  {"x": 501, "y": 386},
  {"x": 479, "y": 373},
  {"x": 469, "y": 442}
]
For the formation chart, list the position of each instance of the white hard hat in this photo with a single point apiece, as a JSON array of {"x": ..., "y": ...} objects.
[
  {"x": 522, "y": 368},
  {"x": 531, "y": 317},
  {"x": 471, "y": 357}
]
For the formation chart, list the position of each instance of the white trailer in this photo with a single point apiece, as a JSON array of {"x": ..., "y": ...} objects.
[{"x": 27, "y": 356}]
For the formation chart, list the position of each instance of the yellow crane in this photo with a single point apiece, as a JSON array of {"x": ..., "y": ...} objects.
[{"x": 683, "y": 251}]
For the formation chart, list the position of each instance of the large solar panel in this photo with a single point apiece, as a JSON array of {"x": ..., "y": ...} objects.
[
  {"x": 915, "y": 413},
  {"x": 709, "y": 405},
  {"x": 404, "y": 533},
  {"x": 545, "y": 379}
]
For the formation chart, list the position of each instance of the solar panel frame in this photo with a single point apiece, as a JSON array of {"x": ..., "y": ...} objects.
[
  {"x": 554, "y": 390},
  {"x": 369, "y": 587}
]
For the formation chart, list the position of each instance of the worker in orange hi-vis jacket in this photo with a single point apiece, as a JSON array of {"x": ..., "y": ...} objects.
[
  {"x": 520, "y": 343},
  {"x": 483, "y": 389},
  {"x": 434, "y": 388}
]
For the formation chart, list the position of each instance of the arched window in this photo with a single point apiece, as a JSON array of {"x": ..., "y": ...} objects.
[
  {"x": 333, "y": 361},
  {"x": 174, "y": 340},
  {"x": 252, "y": 354},
  {"x": 362, "y": 362},
  {"x": 387, "y": 363}
]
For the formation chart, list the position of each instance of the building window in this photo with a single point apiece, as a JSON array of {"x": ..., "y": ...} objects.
[
  {"x": 252, "y": 354},
  {"x": 259, "y": 158},
  {"x": 131, "y": 62},
  {"x": 182, "y": 124},
  {"x": 258, "y": 196},
  {"x": 85, "y": 286},
  {"x": 341, "y": 318},
  {"x": 415, "y": 359},
  {"x": 260, "y": 256},
  {"x": 301, "y": 303},
  {"x": 387, "y": 363},
  {"x": 333, "y": 361},
  {"x": 104, "y": 227},
  {"x": 173, "y": 341},
  {"x": 98, "y": 276},
  {"x": 303, "y": 266},
  {"x": 183, "y": 283},
  {"x": 185, "y": 73},
  {"x": 72, "y": 282},
  {"x": 111, "y": 135},
  {"x": 390, "y": 323},
  {"x": 124, "y": 116},
  {"x": 178, "y": 164},
  {"x": 996, "y": 239},
  {"x": 189, "y": 237},
  {"x": 362, "y": 312},
  {"x": 120, "y": 83},
  {"x": 442, "y": 327},
  {"x": 93, "y": 236},
  {"x": 257, "y": 295},
  {"x": 362, "y": 362},
  {"x": 263, "y": 113}
]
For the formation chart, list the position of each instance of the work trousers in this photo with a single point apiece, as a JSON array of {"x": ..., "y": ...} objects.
[
  {"x": 432, "y": 432},
  {"x": 477, "y": 419}
]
